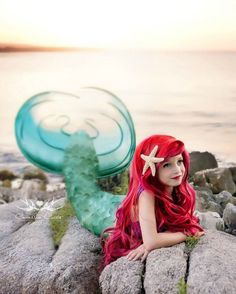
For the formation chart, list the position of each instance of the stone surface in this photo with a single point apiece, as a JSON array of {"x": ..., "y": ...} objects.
[
  {"x": 203, "y": 196},
  {"x": 229, "y": 217},
  {"x": 164, "y": 268},
  {"x": 201, "y": 161},
  {"x": 122, "y": 277},
  {"x": 29, "y": 262},
  {"x": 210, "y": 220},
  {"x": 212, "y": 265},
  {"x": 10, "y": 195},
  {"x": 217, "y": 179}
]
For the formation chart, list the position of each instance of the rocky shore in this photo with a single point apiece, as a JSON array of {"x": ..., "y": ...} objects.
[{"x": 33, "y": 209}]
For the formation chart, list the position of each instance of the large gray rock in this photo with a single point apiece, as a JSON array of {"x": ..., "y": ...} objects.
[
  {"x": 122, "y": 277},
  {"x": 212, "y": 265},
  {"x": 233, "y": 172},
  {"x": 74, "y": 267},
  {"x": 223, "y": 198},
  {"x": 164, "y": 268},
  {"x": 201, "y": 161},
  {"x": 210, "y": 220},
  {"x": 12, "y": 218},
  {"x": 203, "y": 196},
  {"x": 29, "y": 262},
  {"x": 10, "y": 195},
  {"x": 217, "y": 179},
  {"x": 229, "y": 217}
]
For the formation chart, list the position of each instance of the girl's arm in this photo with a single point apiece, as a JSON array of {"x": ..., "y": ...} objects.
[{"x": 147, "y": 218}]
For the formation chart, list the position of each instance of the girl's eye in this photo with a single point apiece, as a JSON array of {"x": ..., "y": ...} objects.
[
  {"x": 166, "y": 164},
  {"x": 169, "y": 164}
]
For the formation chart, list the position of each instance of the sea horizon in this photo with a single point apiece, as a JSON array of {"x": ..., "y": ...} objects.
[{"x": 190, "y": 95}]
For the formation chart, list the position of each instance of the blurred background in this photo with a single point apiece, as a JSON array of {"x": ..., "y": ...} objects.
[{"x": 173, "y": 63}]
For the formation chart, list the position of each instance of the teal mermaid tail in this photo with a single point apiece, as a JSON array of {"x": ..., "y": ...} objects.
[
  {"x": 84, "y": 137},
  {"x": 94, "y": 208}
]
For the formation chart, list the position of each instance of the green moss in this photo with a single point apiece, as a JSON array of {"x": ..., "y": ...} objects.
[
  {"x": 191, "y": 242},
  {"x": 182, "y": 286},
  {"x": 6, "y": 175},
  {"x": 35, "y": 173},
  {"x": 117, "y": 184},
  {"x": 59, "y": 222}
]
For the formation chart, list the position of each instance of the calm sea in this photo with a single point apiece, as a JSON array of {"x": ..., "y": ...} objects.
[{"x": 191, "y": 96}]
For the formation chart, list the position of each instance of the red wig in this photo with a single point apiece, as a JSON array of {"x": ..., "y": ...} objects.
[{"x": 171, "y": 215}]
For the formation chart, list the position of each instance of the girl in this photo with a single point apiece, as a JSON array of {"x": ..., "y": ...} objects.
[{"x": 158, "y": 208}]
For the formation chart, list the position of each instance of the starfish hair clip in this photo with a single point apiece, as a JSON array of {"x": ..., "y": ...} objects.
[{"x": 150, "y": 161}]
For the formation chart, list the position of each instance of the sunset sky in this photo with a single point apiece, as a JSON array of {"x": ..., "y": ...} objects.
[{"x": 140, "y": 24}]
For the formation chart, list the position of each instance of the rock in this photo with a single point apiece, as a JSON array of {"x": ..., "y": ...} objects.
[
  {"x": 12, "y": 218},
  {"x": 5, "y": 174},
  {"x": 31, "y": 172},
  {"x": 164, "y": 268},
  {"x": 210, "y": 220},
  {"x": 208, "y": 268},
  {"x": 212, "y": 264},
  {"x": 229, "y": 217},
  {"x": 122, "y": 277},
  {"x": 29, "y": 187},
  {"x": 203, "y": 196},
  {"x": 223, "y": 198},
  {"x": 218, "y": 180},
  {"x": 215, "y": 207},
  {"x": 55, "y": 187},
  {"x": 31, "y": 264},
  {"x": 233, "y": 172},
  {"x": 74, "y": 267},
  {"x": 201, "y": 161},
  {"x": 17, "y": 183},
  {"x": 9, "y": 195}
]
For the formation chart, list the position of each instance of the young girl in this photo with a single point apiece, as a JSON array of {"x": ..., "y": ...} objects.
[{"x": 158, "y": 209}]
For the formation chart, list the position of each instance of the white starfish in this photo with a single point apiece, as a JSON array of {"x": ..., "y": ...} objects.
[{"x": 150, "y": 161}]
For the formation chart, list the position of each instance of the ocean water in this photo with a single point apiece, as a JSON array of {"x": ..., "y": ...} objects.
[{"x": 189, "y": 95}]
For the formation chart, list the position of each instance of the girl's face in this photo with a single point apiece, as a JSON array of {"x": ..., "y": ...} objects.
[{"x": 171, "y": 172}]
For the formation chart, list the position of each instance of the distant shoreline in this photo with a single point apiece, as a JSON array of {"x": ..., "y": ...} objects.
[{"x": 8, "y": 49}]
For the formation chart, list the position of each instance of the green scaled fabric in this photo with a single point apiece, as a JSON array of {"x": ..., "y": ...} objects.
[
  {"x": 85, "y": 136},
  {"x": 95, "y": 209}
]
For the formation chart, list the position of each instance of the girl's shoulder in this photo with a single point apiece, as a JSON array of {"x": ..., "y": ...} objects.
[{"x": 146, "y": 192}]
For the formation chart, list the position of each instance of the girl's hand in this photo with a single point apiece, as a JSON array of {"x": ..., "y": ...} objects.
[
  {"x": 140, "y": 252},
  {"x": 199, "y": 234}
]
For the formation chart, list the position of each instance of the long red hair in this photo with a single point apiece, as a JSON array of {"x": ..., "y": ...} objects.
[{"x": 171, "y": 216}]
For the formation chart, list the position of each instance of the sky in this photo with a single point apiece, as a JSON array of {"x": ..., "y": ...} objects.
[{"x": 140, "y": 24}]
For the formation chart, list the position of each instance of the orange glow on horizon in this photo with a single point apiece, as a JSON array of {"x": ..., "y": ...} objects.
[{"x": 150, "y": 24}]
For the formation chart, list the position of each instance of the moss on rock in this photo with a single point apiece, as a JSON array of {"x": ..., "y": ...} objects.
[
  {"x": 59, "y": 222},
  {"x": 182, "y": 286}
]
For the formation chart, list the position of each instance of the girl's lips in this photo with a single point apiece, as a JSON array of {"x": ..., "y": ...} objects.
[{"x": 176, "y": 178}]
